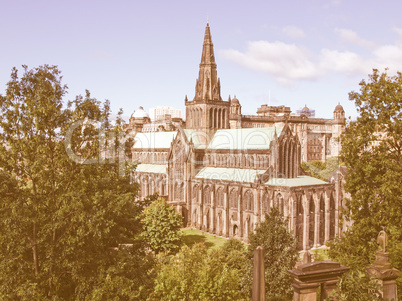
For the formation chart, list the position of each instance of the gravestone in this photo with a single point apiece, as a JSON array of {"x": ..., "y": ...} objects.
[{"x": 382, "y": 270}]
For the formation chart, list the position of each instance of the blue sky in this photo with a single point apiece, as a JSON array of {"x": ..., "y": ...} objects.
[{"x": 146, "y": 53}]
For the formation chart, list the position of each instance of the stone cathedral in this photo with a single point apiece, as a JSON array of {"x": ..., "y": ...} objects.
[{"x": 223, "y": 171}]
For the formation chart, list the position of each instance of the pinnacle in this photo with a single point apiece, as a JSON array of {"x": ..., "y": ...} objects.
[{"x": 208, "y": 48}]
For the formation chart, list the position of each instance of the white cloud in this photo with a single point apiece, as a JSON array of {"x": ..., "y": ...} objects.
[
  {"x": 293, "y": 32},
  {"x": 388, "y": 56},
  {"x": 352, "y": 37},
  {"x": 286, "y": 62},
  {"x": 398, "y": 30},
  {"x": 342, "y": 61}
]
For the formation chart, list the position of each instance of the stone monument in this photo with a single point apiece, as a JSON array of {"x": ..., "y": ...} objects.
[
  {"x": 259, "y": 275},
  {"x": 383, "y": 271},
  {"x": 309, "y": 276}
]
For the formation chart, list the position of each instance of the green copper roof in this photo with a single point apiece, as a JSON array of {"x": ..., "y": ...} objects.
[
  {"x": 249, "y": 138},
  {"x": 197, "y": 137},
  {"x": 229, "y": 174},
  {"x": 152, "y": 168},
  {"x": 294, "y": 182},
  {"x": 154, "y": 140}
]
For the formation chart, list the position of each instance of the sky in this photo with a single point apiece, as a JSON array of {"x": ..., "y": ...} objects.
[{"x": 147, "y": 53}]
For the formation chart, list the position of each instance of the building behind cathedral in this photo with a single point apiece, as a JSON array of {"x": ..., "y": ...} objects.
[{"x": 223, "y": 170}]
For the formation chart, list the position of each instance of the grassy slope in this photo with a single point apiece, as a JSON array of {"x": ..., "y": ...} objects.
[{"x": 192, "y": 236}]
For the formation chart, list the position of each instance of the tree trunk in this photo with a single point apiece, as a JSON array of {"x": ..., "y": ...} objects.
[{"x": 34, "y": 250}]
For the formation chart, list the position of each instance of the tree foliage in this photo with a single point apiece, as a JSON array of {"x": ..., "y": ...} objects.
[
  {"x": 321, "y": 170},
  {"x": 162, "y": 225},
  {"x": 198, "y": 274},
  {"x": 371, "y": 150},
  {"x": 356, "y": 285},
  {"x": 59, "y": 216},
  {"x": 280, "y": 253}
]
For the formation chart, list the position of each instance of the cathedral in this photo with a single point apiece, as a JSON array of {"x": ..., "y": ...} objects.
[{"x": 223, "y": 170}]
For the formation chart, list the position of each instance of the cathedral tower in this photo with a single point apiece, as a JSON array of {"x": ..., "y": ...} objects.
[{"x": 207, "y": 111}]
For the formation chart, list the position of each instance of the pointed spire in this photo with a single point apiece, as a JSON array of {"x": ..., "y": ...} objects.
[
  {"x": 208, "y": 86},
  {"x": 207, "y": 48}
]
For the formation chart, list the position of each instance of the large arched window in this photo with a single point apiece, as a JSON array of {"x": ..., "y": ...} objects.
[
  {"x": 265, "y": 203},
  {"x": 177, "y": 191},
  {"x": 249, "y": 200},
  {"x": 220, "y": 197},
  {"x": 233, "y": 199},
  {"x": 195, "y": 194},
  {"x": 299, "y": 221},
  {"x": 311, "y": 222},
  {"x": 322, "y": 219},
  {"x": 332, "y": 217},
  {"x": 207, "y": 195},
  {"x": 280, "y": 203}
]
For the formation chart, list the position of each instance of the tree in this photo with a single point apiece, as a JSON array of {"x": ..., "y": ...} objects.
[
  {"x": 162, "y": 225},
  {"x": 280, "y": 253},
  {"x": 356, "y": 285},
  {"x": 199, "y": 274},
  {"x": 177, "y": 277},
  {"x": 372, "y": 153},
  {"x": 321, "y": 170},
  {"x": 221, "y": 276},
  {"x": 59, "y": 215}
]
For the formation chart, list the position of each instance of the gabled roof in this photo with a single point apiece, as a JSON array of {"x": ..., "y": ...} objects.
[
  {"x": 153, "y": 140},
  {"x": 248, "y": 138},
  {"x": 152, "y": 168},
  {"x": 295, "y": 182},
  {"x": 229, "y": 174},
  {"x": 197, "y": 137}
]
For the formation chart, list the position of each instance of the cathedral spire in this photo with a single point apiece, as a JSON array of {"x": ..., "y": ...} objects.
[
  {"x": 208, "y": 85},
  {"x": 208, "y": 48}
]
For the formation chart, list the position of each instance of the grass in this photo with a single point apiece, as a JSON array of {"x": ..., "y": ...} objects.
[
  {"x": 192, "y": 236},
  {"x": 319, "y": 254}
]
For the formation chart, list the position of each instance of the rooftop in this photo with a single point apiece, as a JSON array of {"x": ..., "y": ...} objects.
[
  {"x": 152, "y": 168},
  {"x": 246, "y": 138},
  {"x": 229, "y": 174},
  {"x": 153, "y": 140}
]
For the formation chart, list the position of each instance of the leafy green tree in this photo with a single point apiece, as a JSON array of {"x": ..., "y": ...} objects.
[
  {"x": 178, "y": 275},
  {"x": 59, "y": 215},
  {"x": 356, "y": 285},
  {"x": 372, "y": 153},
  {"x": 162, "y": 225},
  {"x": 280, "y": 254},
  {"x": 198, "y": 274},
  {"x": 222, "y": 273}
]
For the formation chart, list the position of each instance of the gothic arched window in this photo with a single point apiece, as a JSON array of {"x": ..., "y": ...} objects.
[
  {"x": 249, "y": 200},
  {"x": 233, "y": 199},
  {"x": 207, "y": 195},
  {"x": 220, "y": 197}
]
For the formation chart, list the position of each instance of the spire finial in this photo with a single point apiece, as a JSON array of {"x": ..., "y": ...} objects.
[{"x": 207, "y": 19}]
